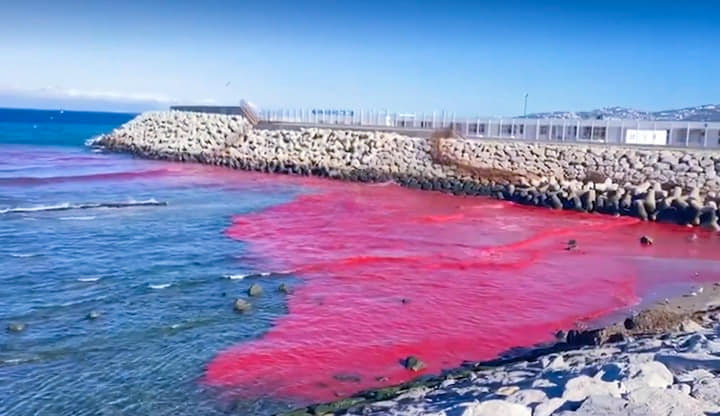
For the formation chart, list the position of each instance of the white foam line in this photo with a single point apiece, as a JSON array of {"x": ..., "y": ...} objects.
[{"x": 160, "y": 286}]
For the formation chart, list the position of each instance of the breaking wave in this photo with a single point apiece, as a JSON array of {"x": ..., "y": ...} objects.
[{"x": 90, "y": 205}]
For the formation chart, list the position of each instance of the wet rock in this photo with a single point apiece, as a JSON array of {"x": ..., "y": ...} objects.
[
  {"x": 590, "y": 337},
  {"x": 283, "y": 288},
  {"x": 241, "y": 305},
  {"x": 413, "y": 363},
  {"x": 330, "y": 408},
  {"x": 255, "y": 290},
  {"x": 496, "y": 408},
  {"x": 16, "y": 327},
  {"x": 93, "y": 315},
  {"x": 646, "y": 240},
  {"x": 629, "y": 323}
]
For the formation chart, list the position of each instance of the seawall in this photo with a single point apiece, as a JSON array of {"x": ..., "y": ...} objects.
[{"x": 678, "y": 186}]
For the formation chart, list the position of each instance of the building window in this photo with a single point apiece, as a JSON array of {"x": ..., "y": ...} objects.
[{"x": 543, "y": 130}]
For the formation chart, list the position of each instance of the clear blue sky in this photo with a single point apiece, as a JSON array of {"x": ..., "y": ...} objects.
[{"x": 473, "y": 58}]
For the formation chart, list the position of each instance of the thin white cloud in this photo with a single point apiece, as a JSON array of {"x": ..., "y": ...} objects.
[{"x": 74, "y": 93}]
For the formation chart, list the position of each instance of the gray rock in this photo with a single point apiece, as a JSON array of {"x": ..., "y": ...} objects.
[
  {"x": 580, "y": 387},
  {"x": 549, "y": 407},
  {"x": 707, "y": 389},
  {"x": 241, "y": 305},
  {"x": 16, "y": 327},
  {"x": 255, "y": 290},
  {"x": 652, "y": 374},
  {"x": 527, "y": 397},
  {"x": 496, "y": 408},
  {"x": 603, "y": 405},
  {"x": 690, "y": 326},
  {"x": 666, "y": 402}
]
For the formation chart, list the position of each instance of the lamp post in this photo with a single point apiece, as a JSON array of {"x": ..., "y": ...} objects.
[{"x": 525, "y": 105}]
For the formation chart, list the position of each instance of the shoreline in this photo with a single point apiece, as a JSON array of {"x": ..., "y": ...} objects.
[{"x": 691, "y": 313}]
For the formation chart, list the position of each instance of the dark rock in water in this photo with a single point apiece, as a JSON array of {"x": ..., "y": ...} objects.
[
  {"x": 571, "y": 245},
  {"x": 241, "y": 305},
  {"x": 629, "y": 323},
  {"x": 93, "y": 315},
  {"x": 285, "y": 288},
  {"x": 591, "y": 337},
  {"x": 560, "y": 335},
  {"x": 646, "y": 241},
  {"x": 255, "y": 290},
  {"x": 16, "y": 327},
  {"x": 413, "y": 363},
  {"x": 616, "y": 337},
  {"x": 405, "y": 301}
]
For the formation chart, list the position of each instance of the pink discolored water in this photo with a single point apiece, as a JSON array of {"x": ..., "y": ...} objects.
[{"x": 390, "y": 272}]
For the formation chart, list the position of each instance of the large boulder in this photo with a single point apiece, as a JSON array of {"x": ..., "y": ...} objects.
[{"x": 496, "y": 408}]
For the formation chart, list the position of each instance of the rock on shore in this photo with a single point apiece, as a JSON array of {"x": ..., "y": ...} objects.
[
  {"x": 679, "y": 185},
  {"x": 668, "y": 375}
]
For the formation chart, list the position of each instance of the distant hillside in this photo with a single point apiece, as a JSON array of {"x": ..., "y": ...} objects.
[{"x": 709, "y": 112}]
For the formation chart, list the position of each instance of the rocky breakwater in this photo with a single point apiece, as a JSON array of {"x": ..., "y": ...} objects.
[{"x": 679, "y": 186}]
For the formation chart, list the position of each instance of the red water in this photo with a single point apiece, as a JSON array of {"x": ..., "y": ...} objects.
[{"x": 390, "y": 272}]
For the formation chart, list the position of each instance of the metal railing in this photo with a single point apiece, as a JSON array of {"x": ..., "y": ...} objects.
[
  {"x": 697, "y": 134},
  {"x": 668, "y": 133}
]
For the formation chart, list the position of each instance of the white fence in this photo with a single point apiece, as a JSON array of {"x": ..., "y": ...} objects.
[{"x": 675, "y": 133}]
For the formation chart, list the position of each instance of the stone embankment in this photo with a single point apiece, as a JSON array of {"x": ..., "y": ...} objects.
[{"x": 679, "y": 186}]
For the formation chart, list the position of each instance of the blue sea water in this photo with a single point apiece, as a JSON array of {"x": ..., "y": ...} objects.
[{"x": 156, "y": 274}]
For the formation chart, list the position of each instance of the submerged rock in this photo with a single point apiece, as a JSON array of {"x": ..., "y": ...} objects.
[
  {"x": 16, "y": 327},
  {"x": 92, "y": 315},
  {"x": 284, "y": 288},
  {"x": 241, "y": 305},
  {"x": 646, "y": 241},
  {"x": 413, "y": 363},
  {"x": 255, "y": 290}
]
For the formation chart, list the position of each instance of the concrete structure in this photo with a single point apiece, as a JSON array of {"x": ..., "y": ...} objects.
[{"x": 694, "y": 134}]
